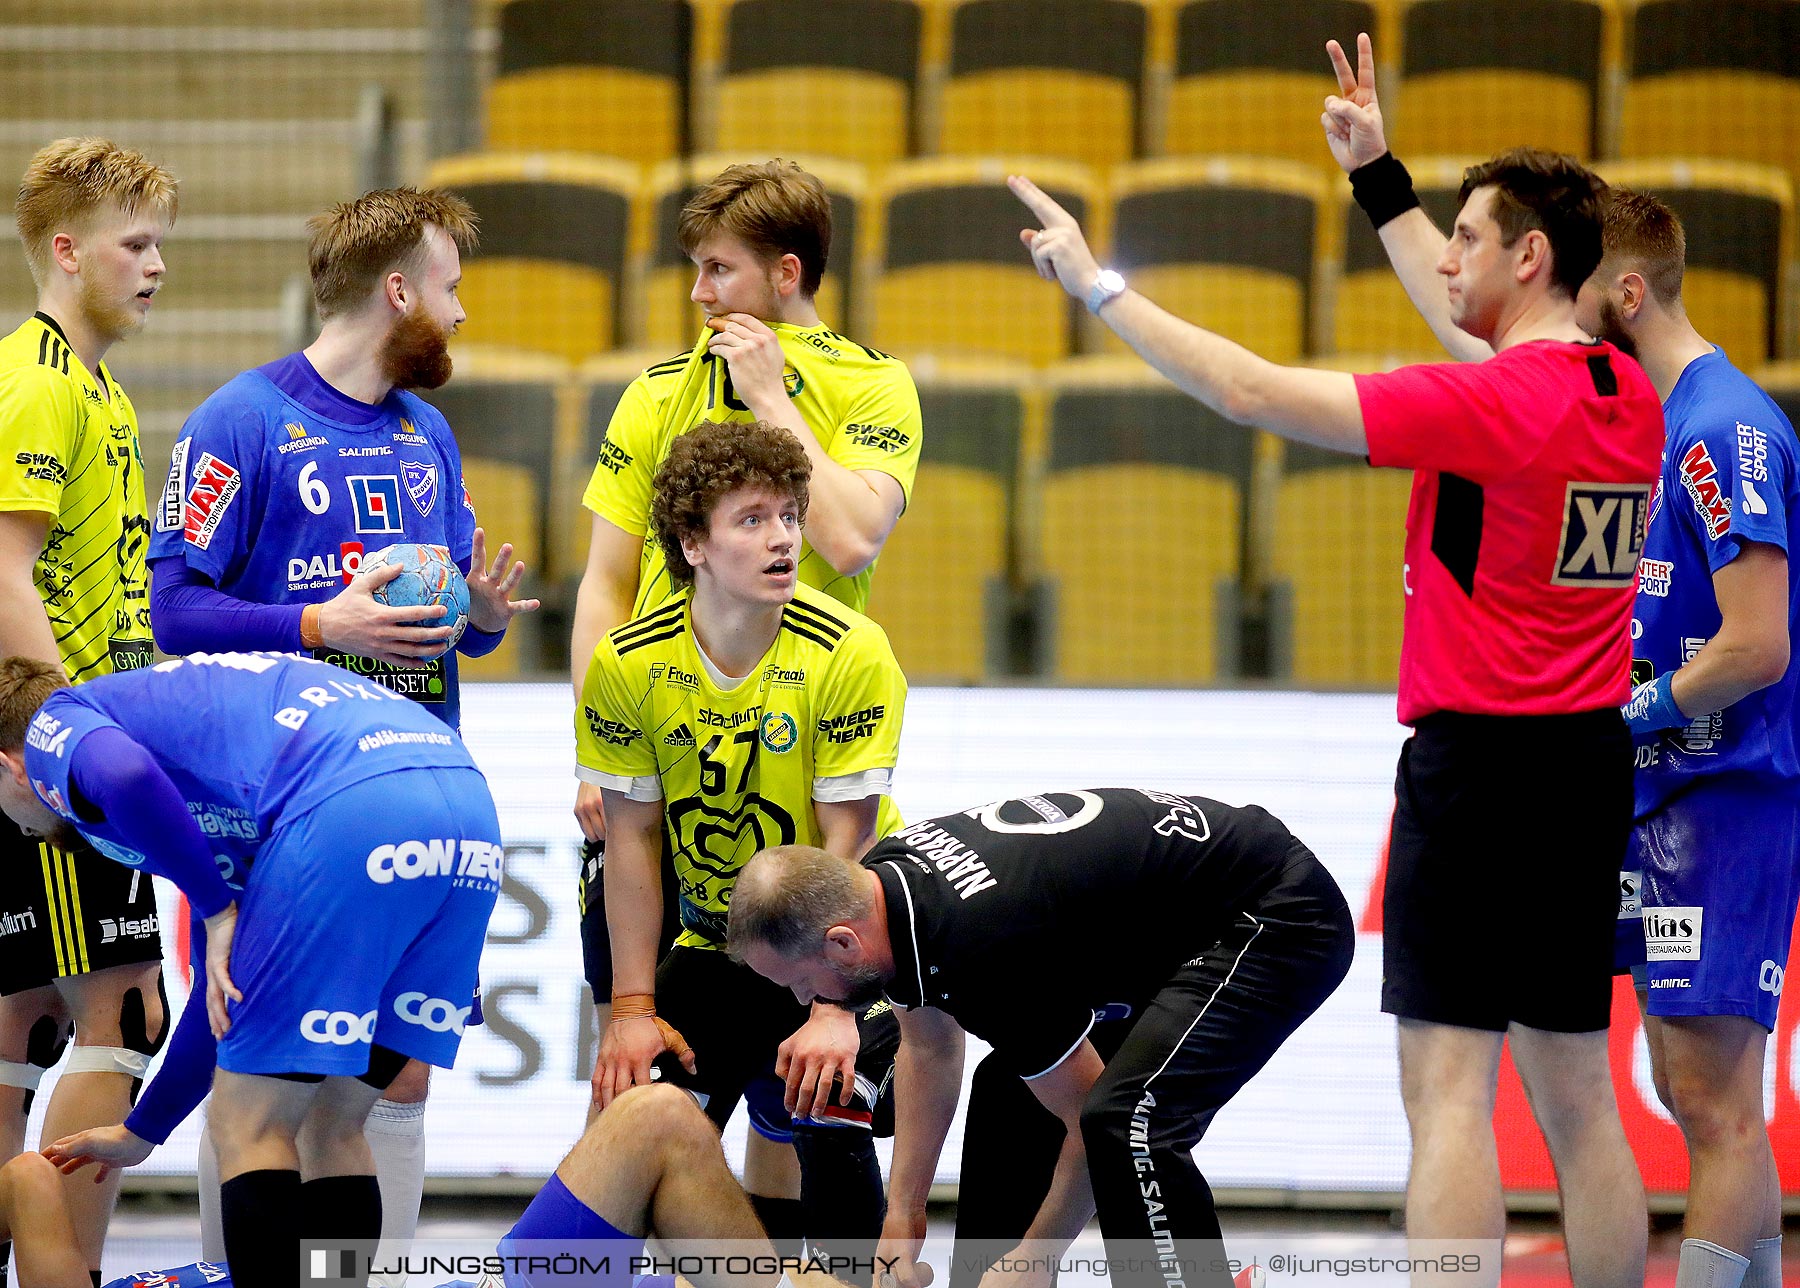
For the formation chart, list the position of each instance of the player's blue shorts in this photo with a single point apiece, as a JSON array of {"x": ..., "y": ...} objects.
[
  {"x": 1717, "y": 872},
  {"x": 559, "y": 1225},
  {"x": 363, "y": 922}
]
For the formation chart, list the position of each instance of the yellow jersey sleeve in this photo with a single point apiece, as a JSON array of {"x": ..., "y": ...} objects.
[
  {"x": 882, "y": 427},
  {"x": 619, "y": 489},
  {"x": 609, "y": 727},
  {"x": 860, "y": 706},
  {"x": 40, "y": 417}
]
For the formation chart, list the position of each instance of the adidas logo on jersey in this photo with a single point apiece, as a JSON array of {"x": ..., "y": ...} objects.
[{"x": 681, "y": 737}]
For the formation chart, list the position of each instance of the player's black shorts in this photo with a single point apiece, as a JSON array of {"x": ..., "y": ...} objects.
[
  {"x": 596, "y": 939},
  {"x": 1503, "y": 867},
  {"x": 69, "y": 912}
]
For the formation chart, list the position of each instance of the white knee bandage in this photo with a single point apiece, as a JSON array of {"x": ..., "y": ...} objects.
[
  {"x": 99, "y": 1059},
  {"x": 23, "y": 1076}
]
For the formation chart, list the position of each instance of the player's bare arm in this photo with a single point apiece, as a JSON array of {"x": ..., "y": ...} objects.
[
  {"x": 1750, "y": 649},
  {"x": 354, "y": 621},
  {"x": 852, "y": 511},
  {"x": 1070, "y": 1203},
  {"x": 927, "y": 1084},
  {"x": 603, "y": 600},
  {"x": 1318, "y": 407},
  {"x": 634, "y": 895},
  {"x": 24, "y": 627},
  {"x": 1355, "y": 133},
  {"x": 491, "y": 586}
]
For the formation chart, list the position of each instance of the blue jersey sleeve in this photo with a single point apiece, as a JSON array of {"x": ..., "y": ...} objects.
[
  {"x": 211, "y": 499},
  {"x": 188, "y": 1062},
  {"x": 1734, "y": 479}
]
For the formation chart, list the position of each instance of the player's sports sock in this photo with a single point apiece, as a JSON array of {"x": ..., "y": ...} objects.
[
  {"x": 1707, "y": 1265},
  {"x": 782, "y": 1221},
  {"x": 840, "y": 1196},
  {"x": 341, "y": 1207},
  {"x": 260, "y": 1212},
  {"x": 396, "y": 1136},
  {"x": 212, "y": 1230},
  {"x": 1765, "y": 1264}
]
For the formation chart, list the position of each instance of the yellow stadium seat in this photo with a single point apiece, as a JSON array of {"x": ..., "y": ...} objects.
[
  {"x": 670, "y": 319},
  {"x": 1481, "y": 76},
  {"x": 1739, "y": 220},
  {"x": 601, "y": 383},
  {"x": 1060, "y": 78},
  {"x": 1229, "y": 244},
  {"x": 942, "y": 585},
  {"x": 1243, "y": 83},
  {"x": 1782, "y": 381},
  {"x": 833, "y": 78},
  {"x": 606, "y": 76},
  {"x": 516, "y": 409},
  {"x": 952, "y": 276},
  {"x": 508, "y": 500},
  {"x": 1371, "y": 312},
  {"x": 1142, "y": 528},
  {"x": 1336, "y": 546},
  {"x": 1713, "y": 78},
  {"x": 551, "y": 265}
]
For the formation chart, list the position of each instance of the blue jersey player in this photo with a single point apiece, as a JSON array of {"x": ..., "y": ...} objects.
[
  {"x": 354, "y": 942},
  {"x": 286, "y": 476},
  {"x": 1710, "y": 877}
]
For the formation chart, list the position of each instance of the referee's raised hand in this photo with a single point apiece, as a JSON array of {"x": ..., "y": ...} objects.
[
  {"x": 1058, "y": 249},
  {"x": 1353, "y": 128}
]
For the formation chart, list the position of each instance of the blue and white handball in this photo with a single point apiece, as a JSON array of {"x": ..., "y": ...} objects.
[{"x": 429, "y": 577}]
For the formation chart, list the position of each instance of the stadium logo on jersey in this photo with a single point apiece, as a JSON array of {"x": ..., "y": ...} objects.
[
  {"x": 215, "y": 486},
  {"x": 886, "y": 438},
  {"x": 432, "y": 1013},
  {"x": 778, "y": 731},
  {"x": 421, "y": 485},
  {"x": 1672, "y": 934},
  {"x": 1602, "y": 535},
  {"x": 168, "y": 518},
  {"x": 12, "y": 923},
  {"x": 1654, "y": 576},
  {"x": 377, "y": 501},
  {"x": 856, "y": 724},
  {"x": 680, "y": 736},
  {"x": 611, "y": 731},
  {"x": 1701, "y": 479},
  {"x": 338, "y": 1028}
]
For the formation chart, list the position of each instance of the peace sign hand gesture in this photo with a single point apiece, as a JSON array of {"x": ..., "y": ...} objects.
[{"x": 1353, "y": 127}]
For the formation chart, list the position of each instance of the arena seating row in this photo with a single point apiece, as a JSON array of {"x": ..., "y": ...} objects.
[
  {"x": 1103, "y": 81},
  {"x": 1086, "y": 522},
  {"x": 579, "y": 257}
]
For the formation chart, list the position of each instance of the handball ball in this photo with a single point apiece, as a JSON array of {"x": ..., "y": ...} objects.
[{"x": 429, "y": 577}]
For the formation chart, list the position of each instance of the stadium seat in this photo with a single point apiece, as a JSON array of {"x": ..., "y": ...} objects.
[
  {"x": 1371, "y": 312},
  {"x": 1058, "y": 78},
  {"x": 942, "y": 586},
  {"x": 606, "y": 76},
  {"x": 514, "y": 410},
  {"x": 670, "y": 319},
  {"x": 1713, "y": 78},
  {"x": 1242, "y": 83},
  {"x": 1142, "y": 528},
  {"x": 551, "y": 265},
  {"x": 1739, "y": 220},
  {"x": 951, "y": 276},
  {"x": 1336, "y": 546},
  {"x": 833, "y": 78},
  {"x": 507, "y": 501},
  {"x": 1782, "y": 380},
  {"x": 1228, "y": 244},
  {"x": 1481, "y": 76}
]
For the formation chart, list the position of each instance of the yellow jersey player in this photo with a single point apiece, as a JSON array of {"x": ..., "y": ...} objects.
[
  {"x": 80, "y": 939},
  {"x": 751, "y": 710}
]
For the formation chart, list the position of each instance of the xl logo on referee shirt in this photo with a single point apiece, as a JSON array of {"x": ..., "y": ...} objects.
[
  {"x": 377, "y": 501},
  {"x": 1602, "y": 535}
]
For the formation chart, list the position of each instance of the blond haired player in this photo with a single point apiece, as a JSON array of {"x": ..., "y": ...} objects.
[
  {"x": 751, "y": 710},
  {"x": 73, "y": 533}
]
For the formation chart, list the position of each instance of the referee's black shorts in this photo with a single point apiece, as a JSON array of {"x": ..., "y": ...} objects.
[
  {"x": 1503, "y": 869},
  {"x": 68, "y": 912}
]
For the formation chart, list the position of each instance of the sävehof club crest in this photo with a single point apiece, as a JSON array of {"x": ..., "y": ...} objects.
[
  {"x": 779, "y": 732},
  {"x": 421, "y": 485}
]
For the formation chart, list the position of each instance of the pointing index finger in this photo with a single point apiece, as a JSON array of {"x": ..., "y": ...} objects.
[{"x": 1039, "y": 202}]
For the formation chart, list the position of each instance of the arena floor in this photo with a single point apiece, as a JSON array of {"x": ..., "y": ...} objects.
[{"x": 157, "y": 1232}]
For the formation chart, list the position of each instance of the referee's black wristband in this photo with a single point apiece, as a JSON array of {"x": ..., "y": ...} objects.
[{"x": 1383, "y": 189}]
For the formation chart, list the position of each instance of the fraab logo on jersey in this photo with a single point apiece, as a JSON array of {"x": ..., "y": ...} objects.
[
  {"x": 215, "y": 486},
  {"x": 421, "y": 485},
  {"x": 1701, "y": 479},
  {"x": 377, "y": 501}
]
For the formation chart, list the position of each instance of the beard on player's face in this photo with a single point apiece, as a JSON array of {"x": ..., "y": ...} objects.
[
  {"x": 1612, "y": 328},
  {"x": 416, "y": 353},
  {"x": 859, "y": 987},
  {"x": 105, "y": 313}
]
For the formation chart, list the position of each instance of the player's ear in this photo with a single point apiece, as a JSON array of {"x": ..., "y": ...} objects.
[
  {"x": 15, "y": 765},
  {"x": 395, "y": 289},
  {"x": 1635, "y": 290},
  {"x": 843, "y": 946},
  {"x": 789, "y": 274}
]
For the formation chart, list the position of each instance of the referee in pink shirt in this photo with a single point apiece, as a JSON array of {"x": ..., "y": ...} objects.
[{"x": 1531, "y": 487}]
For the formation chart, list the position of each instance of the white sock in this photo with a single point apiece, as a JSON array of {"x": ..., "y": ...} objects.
[
  {"x": 1707, "y": 1265},
  {"x": 212, "y": 1229},
  {"x": 1765, "y": 1264},
  {"x": 396, "y": 1135}
]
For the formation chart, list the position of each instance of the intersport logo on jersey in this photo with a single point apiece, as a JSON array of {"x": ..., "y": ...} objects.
[{"x": 410, "y": 860}]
